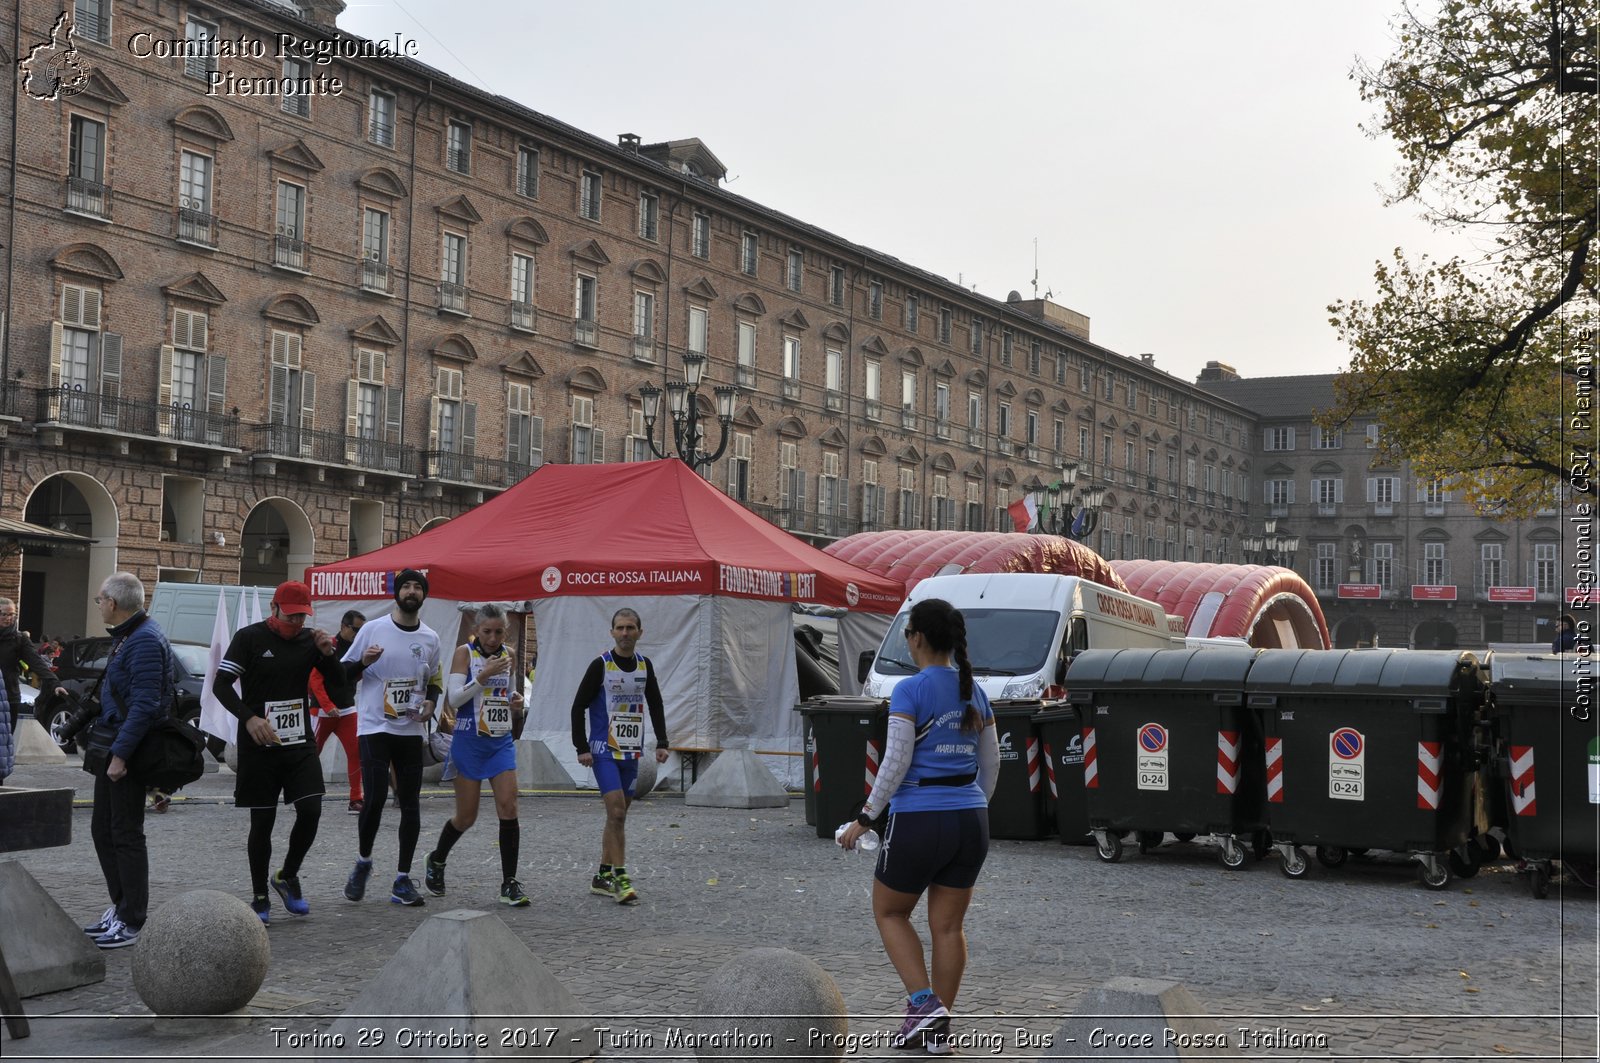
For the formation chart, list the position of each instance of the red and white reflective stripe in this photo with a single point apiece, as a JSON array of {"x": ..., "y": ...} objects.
[
  {"x": 1429, "y": 763},
  {"x": 1522, "y": 796},
  {"x": 874, "y": 752},
  {"x": 1050, "y": 770},
  {"x": 1091, "y": 761},
  {"x": 1033, "y": 766},
  {"x": 1227, "y": 762},
  {"x": 1275, "y": 770},
  {"x": 816, "y": 770}
]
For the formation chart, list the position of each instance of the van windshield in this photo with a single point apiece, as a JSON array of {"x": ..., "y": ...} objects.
[{"x": 999, "y": 642}]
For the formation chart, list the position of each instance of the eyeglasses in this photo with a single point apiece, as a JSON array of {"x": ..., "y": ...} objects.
[{"x": 101, "y": 599}]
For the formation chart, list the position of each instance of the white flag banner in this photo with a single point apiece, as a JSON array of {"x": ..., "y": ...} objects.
[
  {"x": 242, "y": 614},
  {"x": 255, "y": 605},
  {"x": 214, "y": 719}
]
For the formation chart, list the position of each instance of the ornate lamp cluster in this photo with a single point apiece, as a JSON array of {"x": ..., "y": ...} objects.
[
  {"x": 684, "y": 406},
  {"x": 1273, "y": 548},
  {"x": 1074, "y": 511}
]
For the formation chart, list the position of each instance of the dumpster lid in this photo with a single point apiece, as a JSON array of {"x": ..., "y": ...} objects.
[
  {"x": 1389, "y": 672},
  {"x": 1542, "y": 678},
  {"x": 1203, "y": 668},
  {"x": 842, "y": 703}
]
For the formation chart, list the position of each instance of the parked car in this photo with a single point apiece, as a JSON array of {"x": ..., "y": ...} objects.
[{"x": 83, "y": 662}]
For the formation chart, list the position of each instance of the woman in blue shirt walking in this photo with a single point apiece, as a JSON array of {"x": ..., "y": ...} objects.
[{"x": 939, "y": 767}]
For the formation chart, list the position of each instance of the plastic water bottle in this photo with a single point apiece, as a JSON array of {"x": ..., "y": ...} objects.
[{"x": 867, "y": 843}]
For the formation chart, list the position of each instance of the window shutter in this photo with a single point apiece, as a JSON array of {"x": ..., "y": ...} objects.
[
  {"x": 352, "y": 408},
  {"x": 308, "y": 407},
  {"x": 1290, "y": 442},
  {"x": 216, "y": 384},
  {"x": 182, "y": 332},
  {"x": 278, "y": 395},
  {"x": 597, "y": 451},
  {"x": 799, "y": 477},
  {"x": 58, "y": 335},
  {"x": 169, "y": 372},
  {"x": 1338, "y": 489},
  {"x": 1291, "y": 493},
  {"x": 1372, "y": 489},
  {"x": 110, "y": 368},
  {"x": 433, "y": 421},
  {"x": 469, "y": 428},
  {"x": 515, "y": 443},
  {"x": 71, "y": 304},
  {"x": 536, "y": 441},
  {"x": 394, "y": 413}
]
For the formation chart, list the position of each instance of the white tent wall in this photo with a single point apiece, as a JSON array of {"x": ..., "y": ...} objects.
[
  {"x": 725, "y": 667},
  {"x": 858, "y": 633},
  {"x": 441, "y": 614}
]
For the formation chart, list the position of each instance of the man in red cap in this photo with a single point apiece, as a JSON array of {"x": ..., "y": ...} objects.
[{"x": 273, "y": 661}]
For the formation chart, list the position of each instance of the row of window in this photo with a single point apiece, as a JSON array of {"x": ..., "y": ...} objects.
[
  {"x": 1379, "y": 568},
  {"x": 1282, "y": 437}
]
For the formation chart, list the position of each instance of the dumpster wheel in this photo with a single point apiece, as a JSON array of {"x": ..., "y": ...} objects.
[
  {"x": 1232, "y": 854},
  {"x": 1150, "y": 839},
  {"x": 1332, "y": 856},
  {"x": 1463, "y": 861},
  {"x": 1432, "y": 872},
  {"x": 1108, "y": 846},
  {"x": 1295, "y": 864},
  {"x": 1184, "y": 836},
  {"x": 1539, "y": 878}
]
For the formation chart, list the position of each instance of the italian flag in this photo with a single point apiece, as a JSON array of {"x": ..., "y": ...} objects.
[{"x": 1025, "y": 511}]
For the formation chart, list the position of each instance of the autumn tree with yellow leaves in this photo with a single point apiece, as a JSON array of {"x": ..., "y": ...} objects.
[{"x": 1476, "y": 367}]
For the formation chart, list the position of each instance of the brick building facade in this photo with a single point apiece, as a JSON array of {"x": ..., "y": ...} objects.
[{"x": 245, "y": 333}]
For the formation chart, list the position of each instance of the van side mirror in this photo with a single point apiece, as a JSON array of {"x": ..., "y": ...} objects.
[
  {"x": 1061, "y": 670},
  {"x": 864, "y": 665}
]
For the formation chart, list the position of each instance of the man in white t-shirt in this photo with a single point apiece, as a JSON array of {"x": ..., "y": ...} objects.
[{"x": 394, "y": 662}]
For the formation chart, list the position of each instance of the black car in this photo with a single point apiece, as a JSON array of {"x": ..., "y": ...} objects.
[{"x": 83, "y": 662}]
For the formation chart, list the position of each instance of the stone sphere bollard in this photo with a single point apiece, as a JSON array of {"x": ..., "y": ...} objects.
[
  {"x": 202, "y": 953},
  {"x": 734, "y": 1017},
  {"x": 646, "y": 780}
]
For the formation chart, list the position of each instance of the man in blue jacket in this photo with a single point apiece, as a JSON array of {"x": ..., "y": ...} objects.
[{"x": 133, "y": 695}]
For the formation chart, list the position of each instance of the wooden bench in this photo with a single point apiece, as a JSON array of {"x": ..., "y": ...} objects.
[{"x": 691, "y": 755}]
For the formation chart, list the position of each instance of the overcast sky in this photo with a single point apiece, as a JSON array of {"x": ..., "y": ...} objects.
[{"x": 1194, "y": 173}]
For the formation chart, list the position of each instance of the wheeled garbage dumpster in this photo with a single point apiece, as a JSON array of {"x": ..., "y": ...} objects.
[
  {"x": 1547, "y": 752},
  {"x": 1368, "y": 749},
  {"x": 1062, "y": 740},
  {"x": 844, "y": 739},
  {"x": 1019, "y": 809},
  {"x": 1169, "y": 746}
]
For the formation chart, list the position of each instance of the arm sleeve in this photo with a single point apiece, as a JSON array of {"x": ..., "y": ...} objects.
[
  {"x": 897, "y": 749},
  {"x": 580, "y": 705},
  {"x": 658, "y": 709},
  {"x": 228, "y": 672},
  {"x": 460, "y": 690},
  {"x": 988, "y": 759},
  {"x": 328, "y": 667},
  {"x": 317, "y": 688}
]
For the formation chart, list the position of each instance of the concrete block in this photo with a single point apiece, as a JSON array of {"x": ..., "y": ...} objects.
[
  {"x": 335, "y": 765},
  {"x": 209, "y": 762},
  {"x": 737, "y": 779},
  {"x": 202, "y": 953},
  {"x": 538, "y": 768},
  {"x": 464, "y": 976},
  {"x": 644, "y": 785},
  {"x": 1139, "y": 1018},
  {"x": 45, "y": 948},
  {"x": 34, "y": 744},
  {"x": 736, "y": 1014}
]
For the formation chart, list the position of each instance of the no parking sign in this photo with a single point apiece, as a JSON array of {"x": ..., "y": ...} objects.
[
  {"x": 1347, "y": 765},
  {"x": 1152, "y": 757}
]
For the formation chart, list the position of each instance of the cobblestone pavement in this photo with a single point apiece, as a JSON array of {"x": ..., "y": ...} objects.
[{"x": 1359, "y": 963}]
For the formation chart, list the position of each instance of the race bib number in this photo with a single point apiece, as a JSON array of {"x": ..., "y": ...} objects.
[
  {"x": 494, "y": 716},
  {"x": 400, "y": 699},
  {"x": 288, "y": 718},
  {"x": 627, "y": 731}
]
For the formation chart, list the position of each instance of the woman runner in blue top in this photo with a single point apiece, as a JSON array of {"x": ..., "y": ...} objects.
[
  {"x": 938, "y": 770},
  {"x": 487, "y": 708}
]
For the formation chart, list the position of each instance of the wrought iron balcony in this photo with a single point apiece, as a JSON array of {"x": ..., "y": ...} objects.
[
  {"x": 197, "y": 227},
  {"x": 452, "y": 298},
  {"x": 78, "y": 408},
  {"x": 744, "y": 376},
  {"x": 470, "y": 469},
  {"x": 585, "y": 333},
  {"x": 644, "y": 349},
  {"x": 374, "y": 276},
  {"x": 289, "y": 253},
  {"x": 184, "y": 424},
  {"x": 88, "y": 197},
  {"x": 524, "y": 317},
  {"x": 331, "y": 448}
]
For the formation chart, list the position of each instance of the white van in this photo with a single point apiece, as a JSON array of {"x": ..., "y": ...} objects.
[
  {"x": 1023, "y": 628},
  {"x": 187, "y": 612}
]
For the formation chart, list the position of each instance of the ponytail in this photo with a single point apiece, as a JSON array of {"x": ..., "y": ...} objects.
[{"x": 945, "y": 630}]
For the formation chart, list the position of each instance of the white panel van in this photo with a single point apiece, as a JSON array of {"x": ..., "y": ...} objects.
[{"x": 1022, "y": 629}]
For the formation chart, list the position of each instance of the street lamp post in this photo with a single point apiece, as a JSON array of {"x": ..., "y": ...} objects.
[
  {"x": 1074, "y": 512},
  {"x": 1273, "y": 548},
  {"x": 684, "y": 407}
]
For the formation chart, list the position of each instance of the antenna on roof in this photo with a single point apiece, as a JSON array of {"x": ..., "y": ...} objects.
[{"x": 1036, "y": 267}]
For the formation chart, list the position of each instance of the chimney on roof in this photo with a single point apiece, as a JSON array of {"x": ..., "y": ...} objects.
[
  {"x": 628, "y": 142},
  {"x": 1148, "y": 358},
  {"x": 1216, "y": 370}
]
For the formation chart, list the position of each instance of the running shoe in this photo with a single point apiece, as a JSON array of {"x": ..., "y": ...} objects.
[
  {"x": 289, "y": 889},
  {"x": 625, "y": 891},
  {"x": 108, "y": 919},
  {"x": 405, "y": 892},
  {"x": 604, "y": 885},
  {"x": 936, "y": 1039},
  {"x": 355, "y": 887},
  {"x": 931, "y": 1014},
  {"x": 262, "y": 906},
  {"x": 511, "y": 894},
  {"x": 355, "y": 807},
  {"x": 159, "y": 801},
  {"x": 120, "y": 936},
  {"x": 433, "y": 875}
]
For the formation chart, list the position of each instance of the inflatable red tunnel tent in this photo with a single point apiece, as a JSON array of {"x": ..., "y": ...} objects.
[
  {"x": 1270, "y": 607},
  {"x": 911, "y": 556}
]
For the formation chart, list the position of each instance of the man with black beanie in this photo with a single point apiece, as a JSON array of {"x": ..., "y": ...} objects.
[{"x": 394, "y": 662}]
